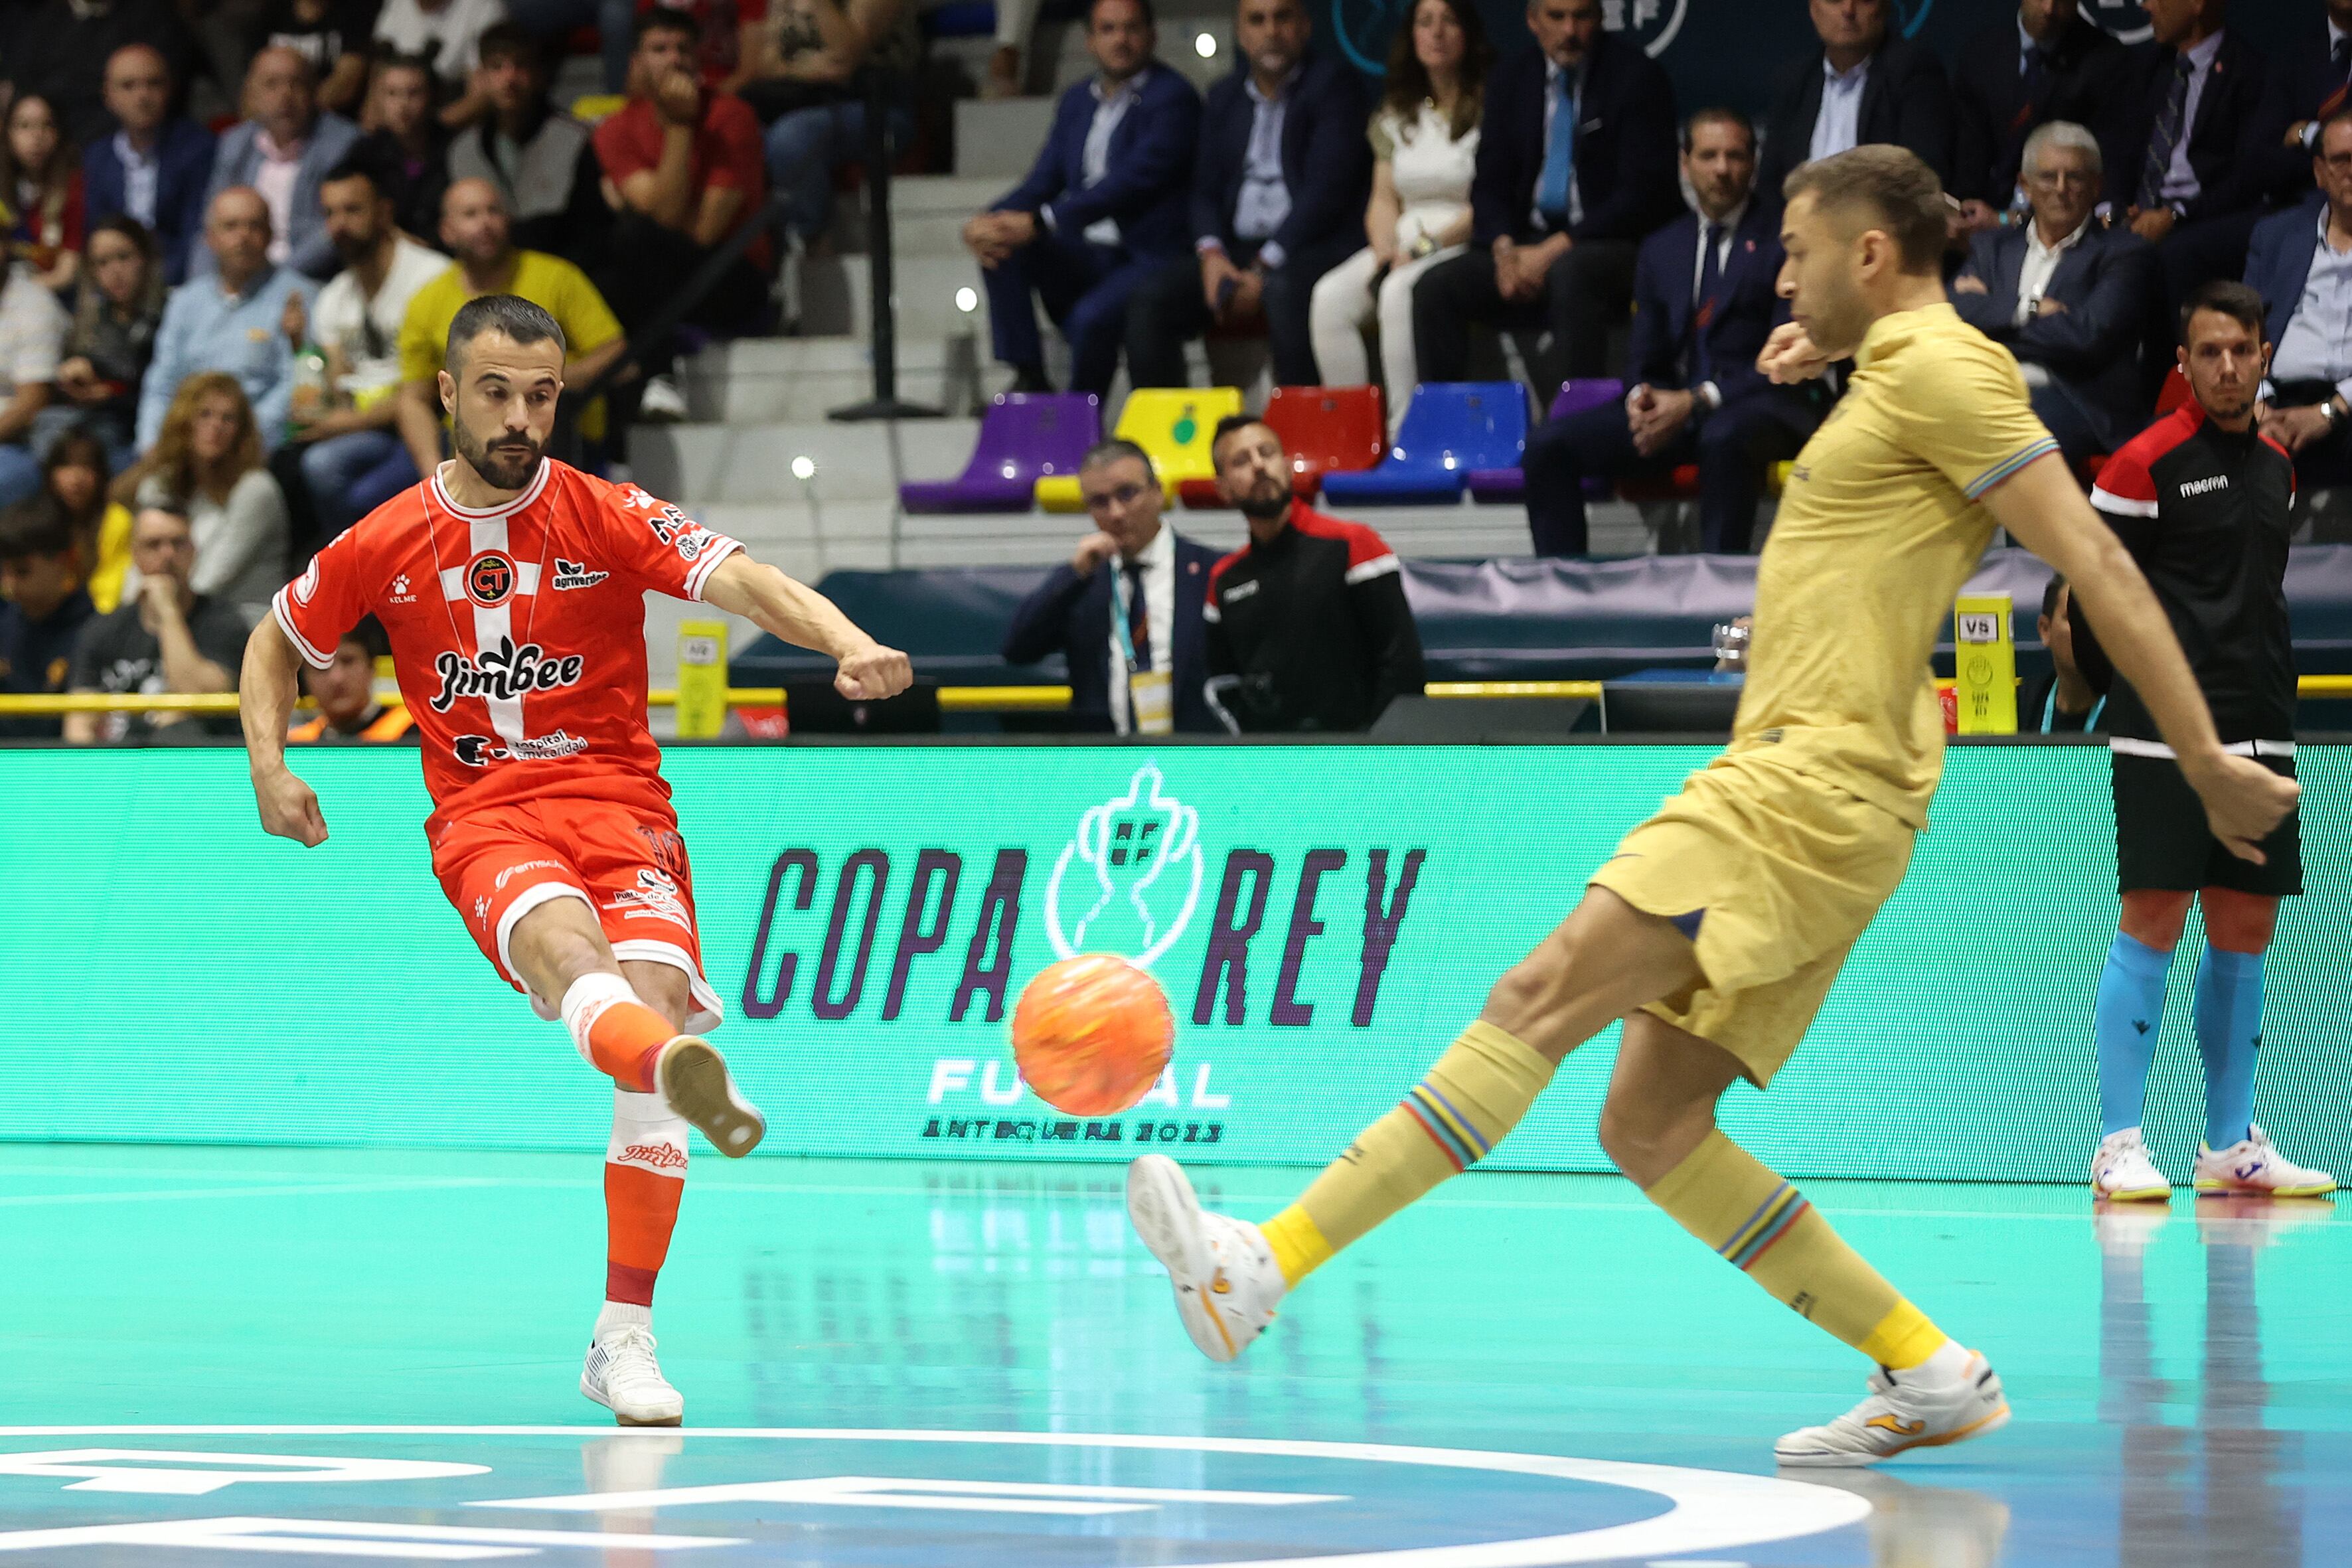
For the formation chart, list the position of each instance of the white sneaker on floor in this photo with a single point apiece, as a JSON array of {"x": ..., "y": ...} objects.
[
  {"x": 2256, "y": 1168},
  {"x": 2122, "y": 1172},
  {"x": 1906, "y": 1410},
  {"x": 1225, "y": 1277},
  {"x": 622, "y": 1376},
  {"x": 661, "y": 403}
]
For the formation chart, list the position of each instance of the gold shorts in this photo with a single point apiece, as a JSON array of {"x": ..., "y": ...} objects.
[{"x": 1773, "y": 875}]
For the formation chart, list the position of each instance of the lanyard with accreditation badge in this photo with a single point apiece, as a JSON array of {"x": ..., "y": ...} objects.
[{"x": 1149, "y": 708}]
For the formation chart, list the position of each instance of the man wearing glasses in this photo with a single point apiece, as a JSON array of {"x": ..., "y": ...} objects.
[
  {"x": 1125, "y": 611},
  {"x": 2069, "y": 298}
]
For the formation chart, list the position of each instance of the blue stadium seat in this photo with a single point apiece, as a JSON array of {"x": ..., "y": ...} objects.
[{"x": 1450, "y": 428}]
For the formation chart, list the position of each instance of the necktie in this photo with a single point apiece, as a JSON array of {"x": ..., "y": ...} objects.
[
  {"x": 2033, "y": 90},
  {"x": 1559, "y": 154},
  {"x": 2166, "y": 136},
  {"x": 1710, "y": 280},
  {"x": 2339, "y": 68},
  {"x": 1138, "y": 615}
]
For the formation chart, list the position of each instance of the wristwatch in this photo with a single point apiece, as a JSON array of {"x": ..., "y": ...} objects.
[{"x": 2330, "y": 405}]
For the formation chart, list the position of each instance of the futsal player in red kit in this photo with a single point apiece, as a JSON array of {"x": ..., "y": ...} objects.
[{"x": 511, "y": 587}]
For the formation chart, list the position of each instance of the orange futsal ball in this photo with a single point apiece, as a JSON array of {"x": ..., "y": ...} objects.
[{"x": 1092, "y": 1033}]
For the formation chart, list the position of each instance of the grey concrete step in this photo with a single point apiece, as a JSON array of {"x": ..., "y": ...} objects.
[
  {"x": 695, "y": 465},
  {"x": 761, "y": 381}
]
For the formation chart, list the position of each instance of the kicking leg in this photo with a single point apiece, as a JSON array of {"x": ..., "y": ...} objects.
[
  {"x": 2237, "y": 1156},
  {"x": 2126, "y": 1022}
]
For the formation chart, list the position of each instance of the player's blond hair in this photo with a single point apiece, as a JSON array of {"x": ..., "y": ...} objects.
[{"x": 1896, "y": 188}]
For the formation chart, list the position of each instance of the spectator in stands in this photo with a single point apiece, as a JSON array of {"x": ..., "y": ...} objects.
[
  {"x": 73, "y": 477},
  {"x": 799, "y": 70},
  {"x": 357, "y": 321},
  {"x": 154, "y": 165},
  {"x": 2069, "y": 298},
  {"x": 43, "y": 608},
  {"x": 2046, "y": 62},
  {"x": 1865, "y": 85},
  {"x": 1307, "y": 624},
  {"x": 345, "y": 693},
  {"x": 333, "y": 35},
  {"x": 542, "y": 161},
  {"x": 2061, "y": 701},
  {"x": 682, "y": 174},
  {"x": 118, "y": 306},
  {"x": 1576, "y": 163},
  {"x": 281, "y": 153},
  {"x": 2301, "y": 264},
  {"x": 1279, "y": 188},
  {"x": 1131, "y": 637},
  {"x": 231, "y": 317},
  {"x": 164, "y": 637},
  {"x": 62, "y": 48},
  {"x": 1704, "y": 301},
  {"x": 207, "y": 464},
  {"x": 40, "y": 181},
  {"x": 444, "y": 37},
  {"x": 401, "y": 136},
  {"x": 474, "y": 228},
  {"x": 1424, "y": 152},
  {"x": 2198, "y": 154},
  {"x": 1104, "y": 206},
  {"x": 32, "y": 333},
  {"x": 551, "y": 21}
]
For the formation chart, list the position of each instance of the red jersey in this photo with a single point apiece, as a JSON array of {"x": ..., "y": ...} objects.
[{"x": 518, "y": 633}]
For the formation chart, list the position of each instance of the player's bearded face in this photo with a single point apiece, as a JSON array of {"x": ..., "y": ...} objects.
[{"x": 507, "y": 459}]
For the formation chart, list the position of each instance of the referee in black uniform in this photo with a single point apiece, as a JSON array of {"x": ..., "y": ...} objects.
[{"x": 2200, "y": 498}]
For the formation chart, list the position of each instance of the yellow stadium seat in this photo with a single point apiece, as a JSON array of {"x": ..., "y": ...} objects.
[{"x": 1173, "y": 424}]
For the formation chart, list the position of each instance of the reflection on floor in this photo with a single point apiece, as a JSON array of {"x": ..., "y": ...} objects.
[{"x": 899, "y": 1364}]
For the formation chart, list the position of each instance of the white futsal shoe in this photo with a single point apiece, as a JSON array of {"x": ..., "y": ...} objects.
[
  {"x": 1224, "y": 1274},
  {"x": 693, "y": 1079},
  {"x": 2121, "y": 1171},
  {"x": 1914, "y": 1409},
  {"x": 622, "y": 1376},
  {"x": 2257, "y": 1169}
]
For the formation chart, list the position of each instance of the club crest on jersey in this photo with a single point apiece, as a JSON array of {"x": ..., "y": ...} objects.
[
  {"x": 491, "y": 579},
  {"x": 576, "y": 574},
  {"x": 503, "y": 673}
]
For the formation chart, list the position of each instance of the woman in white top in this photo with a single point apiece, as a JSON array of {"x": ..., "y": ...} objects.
[
  {"x": 1425, "y": 146},
  {"x": 208, "y": 459}
]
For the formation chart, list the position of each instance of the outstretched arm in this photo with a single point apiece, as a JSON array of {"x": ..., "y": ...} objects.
[
  {"x": 2043, "y": 509},
  {"x": 265, "y": 693},
  {"x": 806, "y": 618}
]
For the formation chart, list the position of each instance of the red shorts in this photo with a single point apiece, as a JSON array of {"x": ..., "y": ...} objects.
[{"x": 627, "y": 863}]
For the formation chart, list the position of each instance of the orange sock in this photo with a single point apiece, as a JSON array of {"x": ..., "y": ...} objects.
[
  {"x": 619, "y": 1035},
  {"x": 645, "y": 1177}
]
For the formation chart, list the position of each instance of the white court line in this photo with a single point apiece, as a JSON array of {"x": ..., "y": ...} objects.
[{"x": 166, "y": 1195}]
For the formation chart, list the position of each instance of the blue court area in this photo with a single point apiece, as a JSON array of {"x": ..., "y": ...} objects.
[{"x": 281, "y": 1355}]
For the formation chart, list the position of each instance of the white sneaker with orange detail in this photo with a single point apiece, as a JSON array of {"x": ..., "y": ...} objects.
[
  {"x": 2254, "y": 1167},
  {"x": 1954, "y": 1395},
  {"x": 1223, "y": 1272}
]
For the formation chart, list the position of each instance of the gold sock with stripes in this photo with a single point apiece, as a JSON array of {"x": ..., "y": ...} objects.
[
  {"x": 1477, "y": 1092},
  {"x": 1763, "y": 1227}
]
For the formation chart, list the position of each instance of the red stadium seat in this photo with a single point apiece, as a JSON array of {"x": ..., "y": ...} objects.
[
  {"x": 1680, "y": 485},
  {"x": 2172, "y": 394},
  {"x": 1325, "y": 429}
]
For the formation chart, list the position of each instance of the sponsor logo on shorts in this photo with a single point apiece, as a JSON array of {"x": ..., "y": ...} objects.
[
  {"x": 655, "y": 897},
  {"x": 482, "y": 909},
  {"x": 503, "y": 673},
  {"x": 512, "y": 872},
  {"x": 491, "y": 579},
  {"x": 576, "y": 574},
  {"x": 659, "y": 1156},
  {"x": 481, "y": 751}
]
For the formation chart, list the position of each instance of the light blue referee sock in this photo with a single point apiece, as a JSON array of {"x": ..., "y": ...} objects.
[
  {"x": 2229, "y": 1035},
  {"x": 2127, "y": 1024}
]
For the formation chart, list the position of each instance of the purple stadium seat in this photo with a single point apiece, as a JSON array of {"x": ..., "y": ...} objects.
[
  {"x": 1508, "y": 487},
  {"x": 1025, "y": 436}
]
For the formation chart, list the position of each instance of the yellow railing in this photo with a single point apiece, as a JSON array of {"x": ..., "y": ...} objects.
[{"x": 952, "y": 698}]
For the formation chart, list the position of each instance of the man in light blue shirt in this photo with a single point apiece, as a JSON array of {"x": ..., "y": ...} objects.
[{"x": 231, "y": 318}]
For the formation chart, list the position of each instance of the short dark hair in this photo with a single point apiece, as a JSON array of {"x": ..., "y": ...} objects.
[
  {"x": 508, "y": 40},
  {"x": 1895, "y": 185},
  {"x": 357, "y": 164},
  {"x": 388, "y": 58},
  {"x": 1719, "y": 114},
  {"x": 142, "y": 237},
  {"x": 663, "y": 19},
  {"x": 1115, "y": 449},
  {"x": 369, "y": 635},
  {"x": 2224, "y": 296},
  {"x": 1150, "y": 17},
  {"x": 38, "y": 526},
  {"x": 2050, "y": 592},
  {"x": 1228, "y": 425},
  {"x": 512, "y": 314}
]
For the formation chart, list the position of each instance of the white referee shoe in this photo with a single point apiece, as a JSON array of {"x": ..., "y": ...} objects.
[
  {"x": 2121, "y": 1172},
  {"x": 622, "y": 1376},
  {"x": 2255, "y": 1168},
  {"x": 1925, "y": 1407},
  {"x": 1223, "y": 1272}
]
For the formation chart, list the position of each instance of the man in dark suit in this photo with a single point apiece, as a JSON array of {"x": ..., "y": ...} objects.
[
  {"x": 1865, "y": 86},
  {"x": 1124, "y": 613},
  {"x": 172, "y": 158},
  {"x": 2300, "y": 262},
  {"x": 2047, "y": 62},
  {"x": 1279, "y": 183},
  {"x": 2069, "y": 298},
  {"x": 1106, "y": 205},
  {"x": 1576, "y": 163},
  {"x": 2313, "y": 79},
  {"x": 1705, "y": 301}
]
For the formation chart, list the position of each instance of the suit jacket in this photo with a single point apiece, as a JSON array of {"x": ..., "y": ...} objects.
[
  {"x": 2304, "y": 85},
  {"x": 1904, "y": 101},
  {"x": 1626, "y": 173},
  {"x": 1147, "y": 179},
  {"x": 2109, "y": 283},
  {"x": 1327, "y": 160},
  {"x": 1745, "y": 306},
  {"x": 239, "y": 158},
  {"x": 1070, "y": 614},
  {"x": 2233, "y": 143},
  {"x": 184, "y": 153},
  {"x": 1992, "y": 116},
  {"x": 2278, "y": 262}
]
